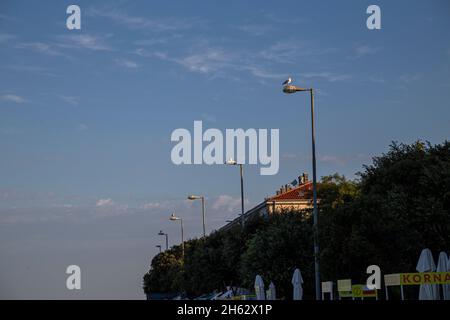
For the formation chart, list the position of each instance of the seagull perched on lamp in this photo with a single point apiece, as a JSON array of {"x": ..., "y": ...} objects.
[{"x": 288, "y": 81}]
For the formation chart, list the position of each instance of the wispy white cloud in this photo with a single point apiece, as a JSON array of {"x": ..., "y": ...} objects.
[
  {"x": 209, "y": 117},
  {"x": 409, "y": 78},
  {"x": 57, "y": 46},
  {"x": 282, "y": 52},
  {"x": 377, "y": 79},
  {"x": 151, "y": 24},
  {"x": 364, "y": 50},
  {"x": 289, "y": 51},
  {"x": 40, "y": 47},
  {"x": 207, "y": 61},
  {"x": 84, "y": 41},
  {"x": 289, "y": 21},
  {"x": 107, "y": 202},
  {"x": 289, "y": 155},
  {"x": 16, "y": 208},
  {"x": 82, "y": 127},
  {"x": 149, "y": 42},
  {"x": 157, "y": 40},
  {"x": 69, "y": 99},
  {"x": 333, "y": 159},
  {"x": 255, "y": 29},
  {"x": 7, "y": 18},
  {"x": 157, "y": 205},
  {"x": 126, "y": 63},
  {"x": 262, "y": 73},
  {"x": 64, "y": 205},
  {"x": 227, "y": 203},
  {"x": 218, "y": 62},
  {"x": 221, "y": 62},
  {"x": 31, "y": 69},
  {"x": 107, "y": 207},
  {"x": 328, "y": 76},
  {"x": 211, "y": 61},
  {"x": 5, "y": 37},
  {"x": 13, "y": 98}
]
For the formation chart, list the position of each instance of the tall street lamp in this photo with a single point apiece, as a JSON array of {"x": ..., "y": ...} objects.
[
  {"x": 234, "y": 163},
  {"x": 174, "y": 218},
  {"x": 161, "y": 233},
  {"x": 288, "y": 88},
  {"x": 192, "y": 197},
  {"x": 159, "y": 246}
]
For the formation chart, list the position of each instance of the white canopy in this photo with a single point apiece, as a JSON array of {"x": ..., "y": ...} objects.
[
  {"x": 443, "y": 266},
  {"x": 426, "y": 264},
  {"x": 259, "y": 288},
  {"x": 297, "y": 281},
  {"x": 271, "y": 293}
]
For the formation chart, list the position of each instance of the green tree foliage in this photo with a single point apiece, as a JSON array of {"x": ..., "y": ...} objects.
[
  {"x": 274, "y": 251},
  {"x": 399, "y": 205},
  {"x": 401, "y": 208},
  {"x": 166, "y": 272}
]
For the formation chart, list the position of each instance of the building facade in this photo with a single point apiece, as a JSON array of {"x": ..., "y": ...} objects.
[{"x": 298, "y": 195}]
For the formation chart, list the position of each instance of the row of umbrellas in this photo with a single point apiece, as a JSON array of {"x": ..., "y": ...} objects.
[
  {"x": 426, "y": 291},
  {"x": 426, "y": 264},
  {"x": 297, "y": 281}
]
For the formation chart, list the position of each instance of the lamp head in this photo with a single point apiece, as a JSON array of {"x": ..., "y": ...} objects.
[
  {"x": 292, "y": 89},
  {"x": 173, "y": 217},
  {"x": 192, "y": 197}
]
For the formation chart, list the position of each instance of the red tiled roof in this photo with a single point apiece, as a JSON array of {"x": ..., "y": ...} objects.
[{"x": 302, "y": 192}]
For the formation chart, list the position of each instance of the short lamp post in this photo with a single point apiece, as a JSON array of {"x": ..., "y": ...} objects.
[
  {"x": 161, "y": 233},
  {"x": 241, "y": 169},
  {"x": 192, "y": 197},
  {"x": 175, "y": 218}
]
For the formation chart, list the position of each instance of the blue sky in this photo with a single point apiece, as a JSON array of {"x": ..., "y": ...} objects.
[{"x": 86, "y": 117}]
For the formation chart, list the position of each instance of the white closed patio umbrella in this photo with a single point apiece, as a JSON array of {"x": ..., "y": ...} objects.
[
  {"x": 297, "y": 281},
  {"x": 442, "y": 266},
  {"x": 272, "y": 293},
  {"x": 426, "y": 264},
  {"x": 448, "y": 265},
  {"x": 259, "y": 288}
]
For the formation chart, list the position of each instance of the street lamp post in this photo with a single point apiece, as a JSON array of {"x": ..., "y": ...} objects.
[
  {"x": 292, "y": 89},
  {"x": 161, "y": 233},
  {"x": 192, "y": 197},
  {"x": 174, "y": 218},
  {"x": 241, "y": 170},
  {"x": 159, "y": 246}
]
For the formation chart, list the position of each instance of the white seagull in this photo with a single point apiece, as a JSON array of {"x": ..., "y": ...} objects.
[{"x": 288, "y": 81}]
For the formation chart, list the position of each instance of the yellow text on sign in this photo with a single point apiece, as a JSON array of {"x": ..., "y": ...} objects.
[{"x": 425, "y": 278}]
